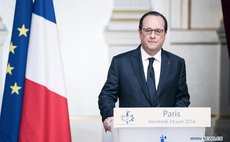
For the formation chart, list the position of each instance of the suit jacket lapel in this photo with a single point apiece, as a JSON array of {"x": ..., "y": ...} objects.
[
  {"x": 139, "y": 71},
  {"x": 165, "y": 66}
]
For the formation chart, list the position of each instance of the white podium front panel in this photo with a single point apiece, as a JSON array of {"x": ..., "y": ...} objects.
[
  {"x": 160, "y": 124},
  {"x": 157, "y": 134}
]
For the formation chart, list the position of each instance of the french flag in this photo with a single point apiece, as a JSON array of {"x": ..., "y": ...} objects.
[{"x": 34, "y": 107}]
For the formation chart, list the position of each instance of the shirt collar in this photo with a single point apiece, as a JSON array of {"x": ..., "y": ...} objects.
[{"x": 145, "y": 56}]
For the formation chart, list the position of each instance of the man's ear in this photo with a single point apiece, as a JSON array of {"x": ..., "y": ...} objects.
[{"x": 139, "y": 31}]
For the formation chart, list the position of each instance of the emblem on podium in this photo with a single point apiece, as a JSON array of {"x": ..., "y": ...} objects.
[{"x": 127, "y": 117}]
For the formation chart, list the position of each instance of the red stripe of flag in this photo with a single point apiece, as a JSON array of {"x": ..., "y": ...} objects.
[{"x": 43, "y": 115}]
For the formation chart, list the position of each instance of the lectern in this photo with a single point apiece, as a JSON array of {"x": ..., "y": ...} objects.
[{"x": 160, "y": 124}]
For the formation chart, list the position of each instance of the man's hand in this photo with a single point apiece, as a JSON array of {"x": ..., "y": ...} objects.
[{"x": 108, "y": 124}]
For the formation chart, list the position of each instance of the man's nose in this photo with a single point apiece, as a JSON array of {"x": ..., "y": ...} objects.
[{"x": 153, "y": 35}]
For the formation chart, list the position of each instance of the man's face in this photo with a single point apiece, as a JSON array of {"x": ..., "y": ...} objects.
[{"x": 152, "y": 34}]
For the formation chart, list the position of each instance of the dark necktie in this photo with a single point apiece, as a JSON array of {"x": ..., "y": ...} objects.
[{"x": 151, "y": 82}]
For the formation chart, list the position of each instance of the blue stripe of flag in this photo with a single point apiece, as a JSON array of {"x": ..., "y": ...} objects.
[{"x": 45, "y": 9}]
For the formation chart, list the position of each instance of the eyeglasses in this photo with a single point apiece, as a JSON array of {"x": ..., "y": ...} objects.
[{"x": 149, "y": 31}]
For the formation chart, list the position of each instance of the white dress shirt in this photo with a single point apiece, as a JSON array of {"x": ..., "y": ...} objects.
[{"x": 156, "y": 64}]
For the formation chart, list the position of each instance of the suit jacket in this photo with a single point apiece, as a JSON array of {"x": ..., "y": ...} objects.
[{"x": 126, "y": 81}]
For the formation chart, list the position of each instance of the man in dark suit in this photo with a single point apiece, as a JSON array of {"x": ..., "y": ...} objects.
[{"x": 147, "y": 76}]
